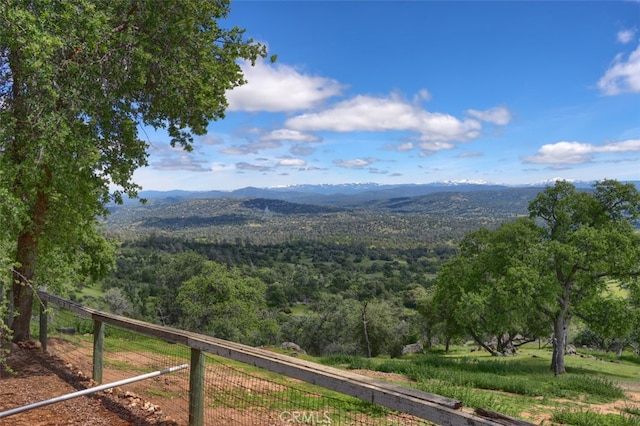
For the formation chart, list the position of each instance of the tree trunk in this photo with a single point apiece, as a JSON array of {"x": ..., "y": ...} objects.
[
  {"x": 26, "y": 258},
  {"x": 482, "y": 344},
  {"x": 363, "y": 312},
  {"x": 428, "y": 339},
  {"x": 23, "y": 288},
  {"x": 560, "y": 326},
  {"x": 19, "y": 149}
]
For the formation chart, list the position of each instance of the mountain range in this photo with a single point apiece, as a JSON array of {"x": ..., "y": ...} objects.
[
  {"x": 371, "y": 212},
  {"x": 345, "y": 195}
]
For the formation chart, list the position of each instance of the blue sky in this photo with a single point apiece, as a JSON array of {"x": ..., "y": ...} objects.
[{"x": 418, "y": 92}]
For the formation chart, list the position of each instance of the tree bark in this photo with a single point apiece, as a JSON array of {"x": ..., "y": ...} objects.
[
  {"x": 363, "y": 312},
  {"x": 23, "y": 287},
  {"x": 560, "y": 326},
  {"x": 482, "y": 344},
  {"x": 26, "y": 258}
]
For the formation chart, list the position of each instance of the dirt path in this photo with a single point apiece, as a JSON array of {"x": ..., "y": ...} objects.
[{"x": 39, "y": 376}]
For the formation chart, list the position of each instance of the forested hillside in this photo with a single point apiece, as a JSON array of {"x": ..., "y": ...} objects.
[
  {"x": 399, "y": 221},
  {"x": 332, "y": 277}
]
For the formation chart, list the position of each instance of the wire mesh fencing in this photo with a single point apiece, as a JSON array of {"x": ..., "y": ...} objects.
[
  {"x": 232, "y": 384},
  {"x": 235, "y": 394},
  {"x": 125, "y": 354}
]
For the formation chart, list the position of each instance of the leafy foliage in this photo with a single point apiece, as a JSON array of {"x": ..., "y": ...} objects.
[
  {"x": 589, "y": 236},
  {"x": 489, "y": 288},
  {"x": 245, "y": 220},
  {"x": 550, "y": 268},
  {"x": 76, "y": 81},
  {"x": 498, "y": 289},
  {"x": 223, "y": 303}
]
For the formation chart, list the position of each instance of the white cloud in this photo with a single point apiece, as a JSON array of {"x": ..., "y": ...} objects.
[
  {"x": 278, "y": 87},
  {"x": 622, "y": 76},
  {"x": 292, "y": 162},
  {"x": 562, "y": 153},
  {"x": 302, "y": 150},
  {"x": 366, "y": 113},
  {"x": 624, "y": 146},
  {"x": 249, "y": 166},
  {"x": 182, "y": 162},
  {"x": 355, "y": 163},
  {"x": 167, "y": 157},
  {"x": 233, "y": 150},
  {"x": 362, "y": 113},
  {"x": 443, "y": 128},
  {"x": 408, "y": 146},
  {"x": 422, "y": 95},
  {"x": 498, "y": 115},
  {"x": 435, "y": 146},
  {"x": 211, "y": 140},
  {"x": 578, "y": 153},
  {"x": 290, "y": 135},
  {"x": 250, "y": 148},
  {"x": 470, "y": 154},
  {"x": 626, "y": 36},
  {"x": 377, "y": 171}
]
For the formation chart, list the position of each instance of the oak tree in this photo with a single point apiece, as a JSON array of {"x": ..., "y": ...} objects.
[
  {"x": 488, "y": 291},
  {"x": 224, "y": 303},
  {"x": 78, "y": 81},
  {"x": 588, "y": 238},
  {"x": 554, "y": 265}
]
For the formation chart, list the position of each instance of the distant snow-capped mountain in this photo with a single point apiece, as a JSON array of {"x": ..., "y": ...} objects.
[{"x": 347, "y": 193}]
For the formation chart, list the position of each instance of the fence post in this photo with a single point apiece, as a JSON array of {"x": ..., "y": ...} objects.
[
  {"x": 43, "y": 324},
  {"x": 196, "y": 388},
  {"x": 98, "y": 349}
]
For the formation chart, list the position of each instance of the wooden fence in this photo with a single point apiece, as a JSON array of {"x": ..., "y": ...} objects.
[{"x": 434, "y": 408}]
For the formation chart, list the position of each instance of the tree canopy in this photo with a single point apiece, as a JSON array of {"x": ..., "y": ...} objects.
[
  {"x": 488, "y": 291},
  {"x": 78, "y": 79},
  {"x": 550, "y": 267},
  {"x": 225, "y": 304},
  {"x": 588, "y": 237}
]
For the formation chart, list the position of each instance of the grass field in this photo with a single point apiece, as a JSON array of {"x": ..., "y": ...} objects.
[
  {"x": 595, "y": 391},
  {"x": 598, "y": 391}
]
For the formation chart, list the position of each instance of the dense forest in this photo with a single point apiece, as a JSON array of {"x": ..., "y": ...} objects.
[
  {"x": 366, "y": 279},
  {"x": 307, "y": 287}
]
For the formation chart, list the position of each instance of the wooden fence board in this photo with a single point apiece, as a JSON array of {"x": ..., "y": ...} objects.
[{"x": 435, "y": 408}]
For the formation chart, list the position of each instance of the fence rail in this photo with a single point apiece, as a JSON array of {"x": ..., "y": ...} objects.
[{"x": 433, "y": 408}]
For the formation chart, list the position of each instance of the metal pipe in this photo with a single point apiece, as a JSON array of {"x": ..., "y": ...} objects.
[{"x": 90, "y": 390}]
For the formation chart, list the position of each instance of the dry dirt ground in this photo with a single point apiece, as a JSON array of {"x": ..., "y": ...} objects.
[{"x": 38, "y": 376}]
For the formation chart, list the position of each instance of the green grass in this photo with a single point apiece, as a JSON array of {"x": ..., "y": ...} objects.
[
  {"x": 91, "y": 296},
  {"x": 118, "y": 340},
  {"x": 90, "y": 291},
  {"x": 593, "y": 418},
  {"x": 509, "y": 385},
  {"x": 516, "y": 384},
  {"x": 299, "y": 309},
  {"x": 631, "y": 410},
  {"x": 291, "y": 395},
  {"x": 122, "y": 365},
  {"x": 164, "y": 394},
  {"x": 285, "y": 399},
  {"x": 612, "y": 357}
]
